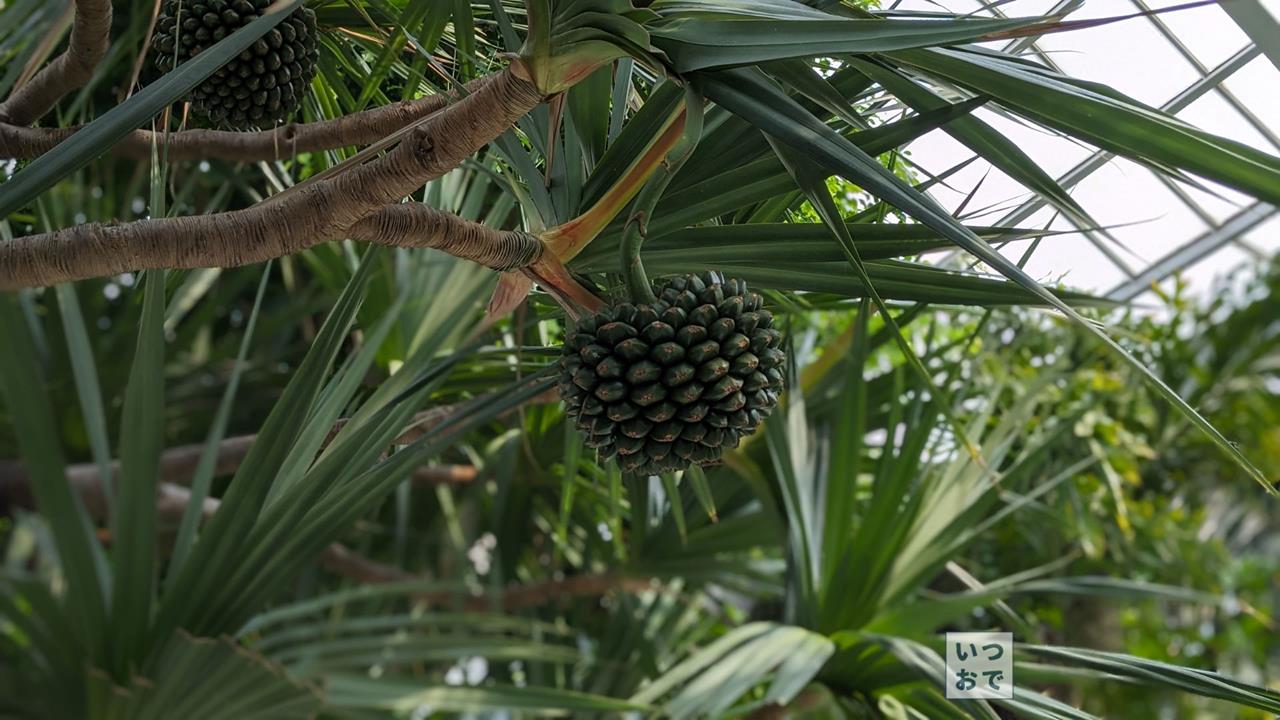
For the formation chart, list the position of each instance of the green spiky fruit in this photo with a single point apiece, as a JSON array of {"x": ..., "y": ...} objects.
[
  {"x": 665, "y": 386},
  {"x": 260, "y": 86}
]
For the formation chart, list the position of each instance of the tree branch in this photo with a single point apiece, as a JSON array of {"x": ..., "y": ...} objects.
[
  {"x": 87, "y": 251},
  {"x": 362, "y": 128},
  {"x": 343, "y": 561},
  {"x": 178, "y": 464},
  {"x": 517, "y": 597},
  {"x": 90, "y": 36},
  {"x": 319, "y": 212},
  {"x": 178, "y": 467},
  {"x": 416, "y": 225}
]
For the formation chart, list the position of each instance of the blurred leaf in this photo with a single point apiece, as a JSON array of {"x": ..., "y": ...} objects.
[
  {"x": 711, "y": 680},
  {"x": 1151, "y": 672},
  {"x": 133, "y": 527},
  {"x": 405, "y": 698},
  {"x": 87, "y": 576},
  {"x": 192, "y": 677}
]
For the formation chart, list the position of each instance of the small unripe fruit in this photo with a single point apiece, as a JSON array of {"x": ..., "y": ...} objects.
[
  {"x": 665, "y": 386},
  {"x": 259, "y": 87}
]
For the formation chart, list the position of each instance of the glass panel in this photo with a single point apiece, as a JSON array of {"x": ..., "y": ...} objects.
[
  {"x": 1201, "y": 275},
  {"x": 1266, "y": 237},
  {"x": 1256, "y": 86},
  {"x": 1142, "y": 213},
  {"x": 1208, "y": 32},
  {"x": 1214, "y": 114},
  {"x": 1073, "y": 260},
  {"x": 1130, "y": 56},
  {"x": 1147, "y": 217}
]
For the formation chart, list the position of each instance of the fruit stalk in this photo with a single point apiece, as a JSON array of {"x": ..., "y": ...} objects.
[
  {"x": 567, "y": 240},
  {"x": 636, "y": 229}
]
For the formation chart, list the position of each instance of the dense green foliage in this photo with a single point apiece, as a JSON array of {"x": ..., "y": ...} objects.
[{"x": 947, "y": 455}]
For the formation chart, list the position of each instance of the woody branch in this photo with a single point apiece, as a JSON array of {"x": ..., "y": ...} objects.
[
  {"x": 88, "y": 46},
  {"x": 361, "y": 128},
  {"x": 87, "y": 251},
  {"x": 90, "y": 36},
  {"x": 362, "y": 203},
  {"x": 328, "y": 210}
]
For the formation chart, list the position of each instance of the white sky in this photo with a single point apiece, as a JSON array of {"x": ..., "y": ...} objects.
[{"x": 1135, "y": 58}]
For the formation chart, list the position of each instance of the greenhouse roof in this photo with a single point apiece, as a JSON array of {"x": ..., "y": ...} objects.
[{"x": 1215, "y": 66}]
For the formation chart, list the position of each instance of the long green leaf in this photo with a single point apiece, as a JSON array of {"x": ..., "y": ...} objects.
[
  {"x": 1106, "y": 119},
  {"x": 845, "y": 466},
  {"x": 697, "y": 42},
  {"x": 1153, "y": 672},
  {"x": 134, "y": 526},
  {"x": 81, "y": 557},
  {"x": 217, "y": 552},
  {"x": 782, "y": 243},
  {"x": 747, "y": 181},
  {"x": 812, "y": 181},
  {"x": 88, "y": 389},
  {"x": 358, "y": 445},
  {"x": 339, "y": 508},
  {"x": 980, "y": 137},
  {"x": 201, "y": 481},
  {"x": 757, "y": 99},
  {"x": 915, "y": 282}
]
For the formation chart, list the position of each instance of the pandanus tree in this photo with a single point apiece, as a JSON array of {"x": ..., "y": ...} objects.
[{"x": 652, "y": 443}]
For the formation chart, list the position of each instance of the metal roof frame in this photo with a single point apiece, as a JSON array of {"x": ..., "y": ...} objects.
[{"x": 1263, "y": 30}]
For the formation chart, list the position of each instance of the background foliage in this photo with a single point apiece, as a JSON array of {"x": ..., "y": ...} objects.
[{"x": 977, "y": 463}]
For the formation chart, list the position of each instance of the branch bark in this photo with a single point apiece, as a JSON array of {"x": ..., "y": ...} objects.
[
  {"x": 178, "y": 466},
  {"x": 87, "y": 251},
  {"x": 416, "y": 225},
  {"x": 362, "y": 128},
  {"x": 317, "y": 213},
  {"x": 90, "y": 36},
  {"x": 516, "y": 597},
  {"x": 338, "y": 559}
]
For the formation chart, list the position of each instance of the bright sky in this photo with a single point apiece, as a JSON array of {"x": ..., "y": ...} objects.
[{"x": 1148, "y": 218}]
